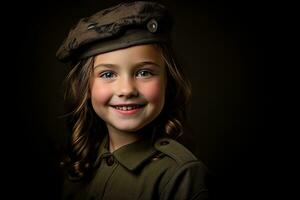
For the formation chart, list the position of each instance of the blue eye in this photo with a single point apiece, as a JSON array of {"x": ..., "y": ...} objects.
[
  {"x": 144, "y": 73},
  {"x": 107, "y": 75}
]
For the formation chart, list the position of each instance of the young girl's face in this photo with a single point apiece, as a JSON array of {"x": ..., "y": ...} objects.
[{"x": 128, "y": 87}]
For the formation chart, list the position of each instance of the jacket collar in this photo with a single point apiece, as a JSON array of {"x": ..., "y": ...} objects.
[{"x": 131, "y": 156}]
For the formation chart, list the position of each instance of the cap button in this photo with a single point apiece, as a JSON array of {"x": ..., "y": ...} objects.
[{"x": 152, "y": 25}]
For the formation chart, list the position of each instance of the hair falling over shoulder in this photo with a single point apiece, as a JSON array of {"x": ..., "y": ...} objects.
[
  {"x": 178, "y": 95},
  {"x": 87, "y": 129},
  {"x": 82, "y": 122}
]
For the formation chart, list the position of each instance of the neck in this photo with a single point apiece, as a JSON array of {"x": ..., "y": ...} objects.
[{"x": 118, "y": 138}]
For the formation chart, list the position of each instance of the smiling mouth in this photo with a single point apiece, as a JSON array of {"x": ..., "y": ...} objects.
[{"x": 128, "y": 107}]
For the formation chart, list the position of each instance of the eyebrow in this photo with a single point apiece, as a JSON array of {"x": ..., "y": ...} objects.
[
  {"x": 139, "y": 64},
  {"x": 105, "y": 65}
]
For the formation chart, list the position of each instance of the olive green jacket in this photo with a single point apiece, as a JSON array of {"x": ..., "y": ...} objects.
[{"x": 140, "y": 170}]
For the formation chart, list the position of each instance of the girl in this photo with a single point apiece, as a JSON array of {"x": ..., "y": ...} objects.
[{"x": 126, "y": 100}]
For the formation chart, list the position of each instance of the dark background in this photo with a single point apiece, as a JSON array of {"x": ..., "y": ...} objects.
[{"x": 224, "y": 46}]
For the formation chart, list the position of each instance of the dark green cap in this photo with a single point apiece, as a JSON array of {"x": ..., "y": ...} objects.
[{"x": 117, "y": 27}]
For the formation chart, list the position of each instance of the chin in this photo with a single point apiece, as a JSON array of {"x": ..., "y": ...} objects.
[{"x": 130, "y": 127}]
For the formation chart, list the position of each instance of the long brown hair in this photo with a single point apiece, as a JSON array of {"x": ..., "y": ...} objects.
[{"x": 87, "y": 129}]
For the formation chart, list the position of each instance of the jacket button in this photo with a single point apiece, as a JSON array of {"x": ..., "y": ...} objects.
[
  {"x": 154, "y": 159},
  {"x": 110, "y": 160},
  {"x": 157, "y": 157},
  {"x": 162, "y": 143}
]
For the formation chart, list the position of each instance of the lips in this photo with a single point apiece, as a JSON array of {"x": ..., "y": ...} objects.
[{"x": 128, "y": 107}]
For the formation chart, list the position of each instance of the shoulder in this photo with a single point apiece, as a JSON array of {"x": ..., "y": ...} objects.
[
  {"x": 174, "y": 150},
  {"x": 185, "y": 177}
]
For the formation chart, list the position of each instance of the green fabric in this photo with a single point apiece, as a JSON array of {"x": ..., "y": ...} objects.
[
  {"x": 140, "y": 170},
  {"x": 117, "y": 27}
]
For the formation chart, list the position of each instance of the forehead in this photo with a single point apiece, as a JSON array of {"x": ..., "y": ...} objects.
[{"x": 135, "y": 54}]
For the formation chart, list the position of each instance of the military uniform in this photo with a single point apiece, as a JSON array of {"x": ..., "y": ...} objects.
[{"x": 140, "y": 170}]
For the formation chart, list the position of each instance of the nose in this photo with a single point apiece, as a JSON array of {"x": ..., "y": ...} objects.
[{"x": 127, "y": 88}]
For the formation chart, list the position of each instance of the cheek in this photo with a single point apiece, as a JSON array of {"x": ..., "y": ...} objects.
[
  {"x": 100, "y": 94},
  {"x": 154, "y": 92}
]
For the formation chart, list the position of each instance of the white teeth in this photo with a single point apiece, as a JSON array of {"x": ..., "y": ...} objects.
[{"x": 126, "y": 107}]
